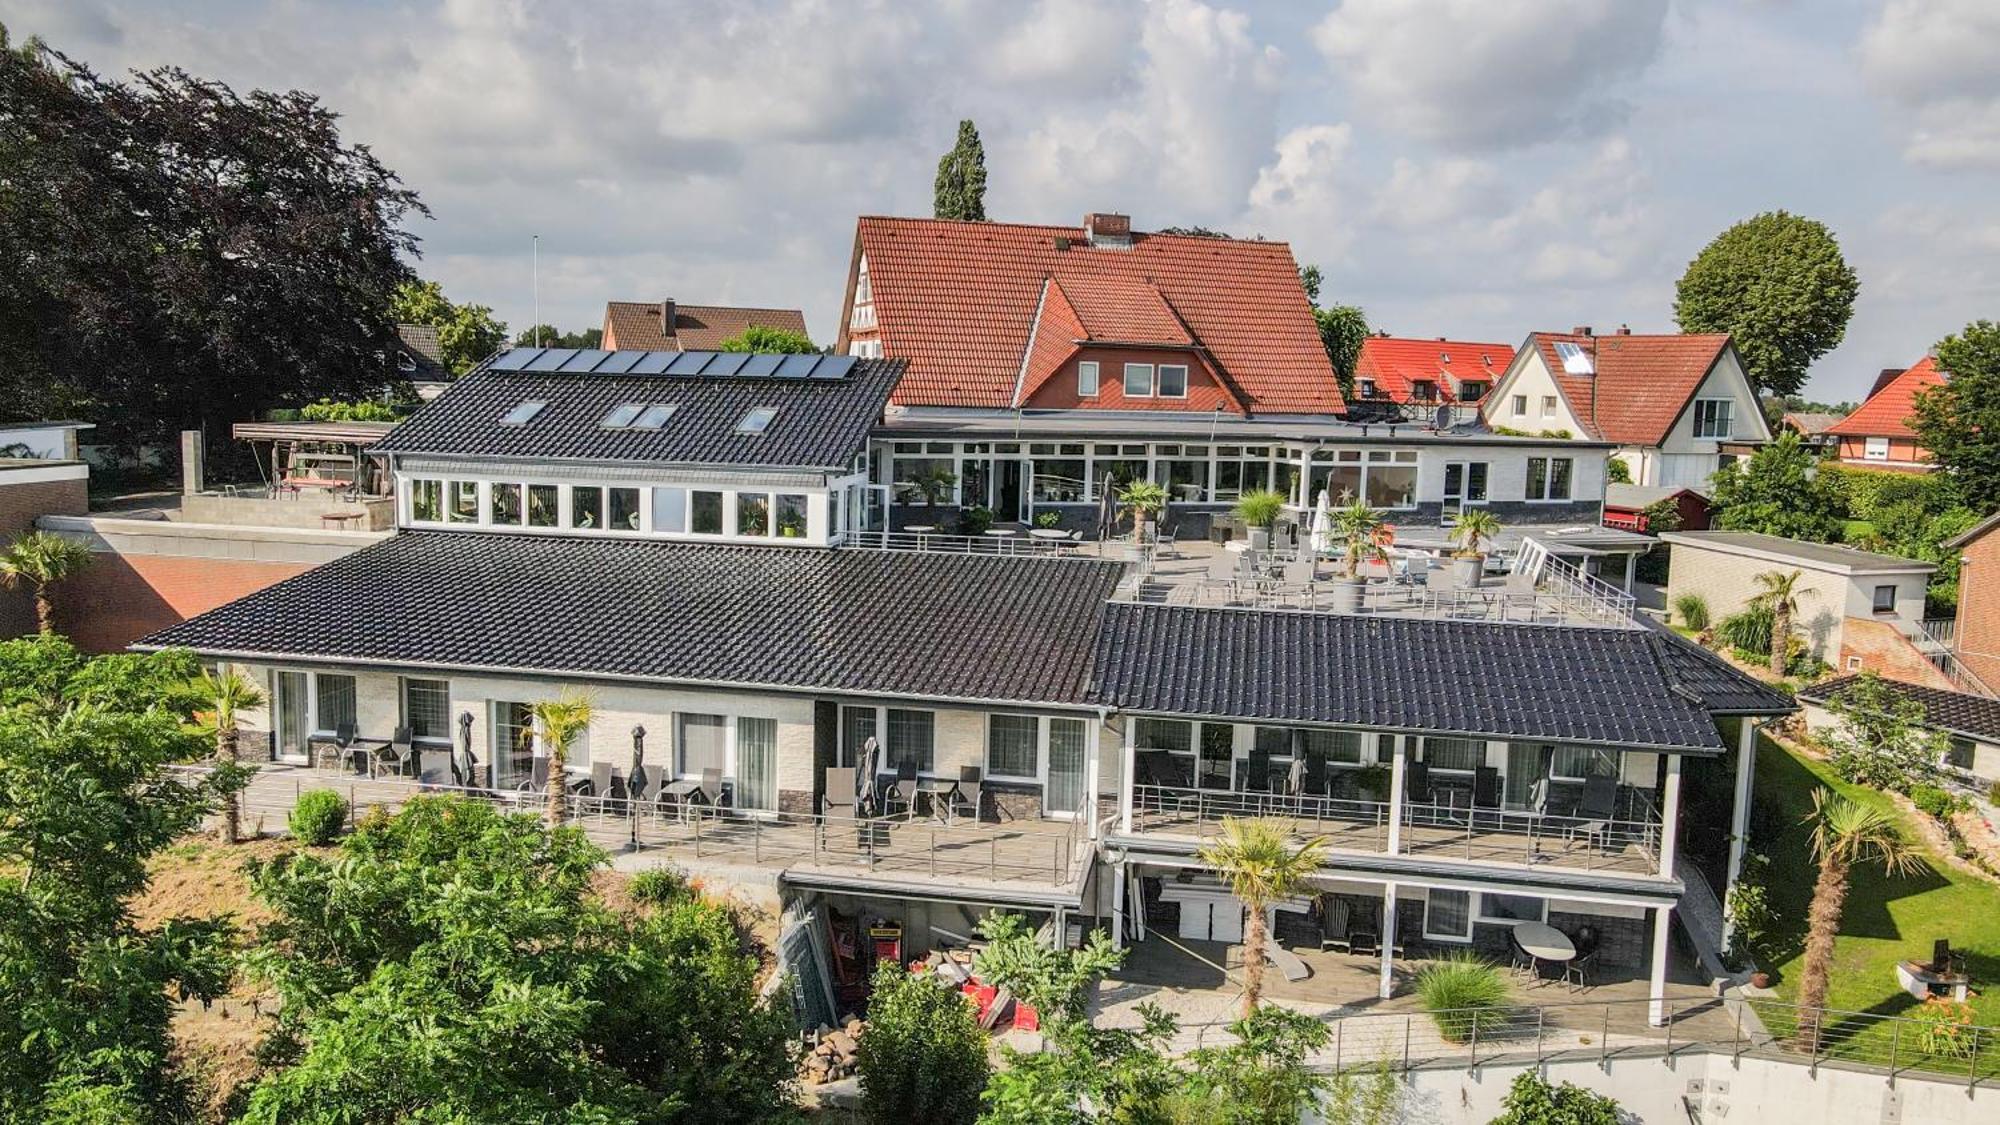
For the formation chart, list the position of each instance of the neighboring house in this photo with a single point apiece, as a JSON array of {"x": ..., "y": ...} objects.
[
  {"x": 1878, "y": 433},
  {"x": 1423, "y": 374},
  {"x": 668, "y": 326},
  {"x": 1974, "y": 639},
  {"x": 1677, "y": 407},
  {"x": 1625, "y": 506},
  {"x": 42, "y": 474},
  {"x": 664, "y": 531},
  {"x": 1813, "y": 428},
  {"x": 1858, "y": 611},
  {"x": 419, "y": 355},
  {"x": 1048, "y": 365},
  {"x": 1972, "y": 722}
]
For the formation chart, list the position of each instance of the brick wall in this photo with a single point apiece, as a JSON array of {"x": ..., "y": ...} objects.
[
  {"x": 1979, "y": 608},
  {"x": 1882, "y": 649},
  {"x": 20, "y": 506},
  {"x": 120, "y": 598}
]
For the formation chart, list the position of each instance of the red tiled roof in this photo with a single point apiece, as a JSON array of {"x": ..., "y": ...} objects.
[
  {"x": 1057, "y": 329},
  {"x": 1887, "y": 412},
  {"x": 958, "y": 301},
  {"x": 1394, "y": 363},
  {"x": 697, "y": 328},
  {"x": 1642, "y": 382}
]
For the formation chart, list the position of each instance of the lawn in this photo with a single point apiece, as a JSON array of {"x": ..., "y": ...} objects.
[{"x": 1886, "y": 919}]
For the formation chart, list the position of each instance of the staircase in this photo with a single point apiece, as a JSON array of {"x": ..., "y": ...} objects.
[{"x": 1700, "y": 913}]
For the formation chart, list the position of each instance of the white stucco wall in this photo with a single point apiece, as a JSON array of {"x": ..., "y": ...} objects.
[{"x": 1529, "y": 376}]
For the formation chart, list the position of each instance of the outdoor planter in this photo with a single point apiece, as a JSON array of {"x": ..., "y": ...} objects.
[
  {"x": 1347, "y": 595},
  {"x": 1260, "y": 538},
  {"x": 1467, "y": 570},
  {"x": 1760, "y": 979}
]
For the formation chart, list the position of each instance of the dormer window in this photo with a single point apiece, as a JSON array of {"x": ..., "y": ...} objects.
[
  {"x": 1086, "y": 379},
  {"x": 523, "y": 414},
  {"x": 757, "y": 421},
  {"x": 1367, "y": 388},
  {"x": 405, "y": 362}
]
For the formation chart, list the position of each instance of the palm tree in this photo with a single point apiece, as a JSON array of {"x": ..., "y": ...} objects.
[
  {"x": 1359, "y": 528},
  {"x": 1257, "y": 859},
  {"x": 561, "y": 719},
  {"x": 41, "y": 559},
  {"x": 227, "y": 695},
  {"x": 1780, "y": 591},
  {"x": 1146, "y": 501},
  {"x": 1845, "y": 832},
  {"x": 1476, "y": 527}
]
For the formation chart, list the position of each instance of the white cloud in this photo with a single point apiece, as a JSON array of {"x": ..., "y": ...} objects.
[
  {"x": 1492, "y": 75},
  {"x": 1934, "y": 60}
]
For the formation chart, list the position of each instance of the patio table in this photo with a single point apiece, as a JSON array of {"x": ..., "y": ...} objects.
[
  {"x": 1543, "y": 942},
  {"x": 1048, "y": 533},
  {"x": 936, "y": 787}
]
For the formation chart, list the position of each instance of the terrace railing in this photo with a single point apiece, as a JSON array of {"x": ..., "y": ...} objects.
[
  {"x": 940, "y": 542},
  {"x": 1438, "y": 829},
  {"x": 1618, "y": 1029}
]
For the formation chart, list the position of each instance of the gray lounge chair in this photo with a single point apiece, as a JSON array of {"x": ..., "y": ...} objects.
[{"x": 398, "y": 758}]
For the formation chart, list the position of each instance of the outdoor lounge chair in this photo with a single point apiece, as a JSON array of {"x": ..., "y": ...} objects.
[
  {"x": 1594, "y": 813},
  {"x": 538, "y": 777},
  {"x": 902, "y": 794},
  {"x": 837, "y": 797},
  {"x": 1417, "y": 783},
  {"x": 595, "y": 789},
  {"x": 1335, "y": 915}
]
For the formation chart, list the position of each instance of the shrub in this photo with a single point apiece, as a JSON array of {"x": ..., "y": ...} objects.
[
  {"x": 326, "y": 410},
  {"x": 976, "y": 520},
  {"x": 1944, "y": 1027},
  {"x": 1749, "y": 630},
  {"x": 1464, "y": 994},
  {"x": 659, "y": 886},
  {"x": 1935, "y": 802},
  {"x": 922, "y": 1056},
  {"x": 1260, "y": 507},
  {"x": 1533, "y": 1101},
  {"x": 318, "y": 817},
  {"x": 1993, "y": 793},
  {"x": 1749, "y": 907},
  {"x": 1048, "y": 519},
  {"x": 1692, "y": 609}
]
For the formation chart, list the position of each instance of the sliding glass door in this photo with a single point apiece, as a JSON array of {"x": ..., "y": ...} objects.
[
  {"x": 757, "y": 764},
  {"x": 291, "y": 708},
  {"x": 1064, "y": 794}
]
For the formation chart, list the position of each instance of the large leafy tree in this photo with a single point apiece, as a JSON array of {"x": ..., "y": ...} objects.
[
  {"x": 86, "y": 797},
  {"x": 1342, "y": 329},
  {"x": 1775, "y": 491},
  {"x": 453, "y": 964},
  {"x": 174, "y": 254},
  {"x": 549, "y": 336},
  {"x": 1959, "y": 422},
  {"x": 1777, "y": 283},
  {"x": 466, "y": 333},
  {"x": 960, "y": 192},
  {"x": 1881, "y": 737}
]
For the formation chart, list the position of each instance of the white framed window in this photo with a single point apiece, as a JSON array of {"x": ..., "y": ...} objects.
[
  {"x": 461, "y": 501},
  {"x": 1548, "y": 406},
  {"x": 705, "y": 512},
  {"x": 333, "y": 702},
  {"x": 503, "y": 504},
  {"x": 1712, "y": 418},
  {"x": 1138, "y": 380},
  {"x": 1576, "y": 763},
  {"x": 427, "y": 710},
  {"x": 1454, "y": 754},
  {"x": 1086, "y": 379},
  {"x": 1013, "y": 747},
  {"x": 586, "y": 507},
  {"x": 701, "y": 742},
  {"x": 426, "y": 501},
  {"x": 1508, "y": 910},
  {"x": 670, "y": 510},
  {"x": 1520, "y": 405},
  {"x": 1549, "y": 477},
  {"x": 912, "y": 738},
  {"x": 1173, "y": 380},
  {"x": 1448, "y": 915},
  {"x": 1367, "y": 387},
  {"x": 1875, "y": 449}
]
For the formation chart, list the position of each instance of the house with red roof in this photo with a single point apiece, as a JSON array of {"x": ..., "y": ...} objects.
[
  {"x": 1049, "y": 365},
  {"x": 1878, "y": 433},
  {"x": 1424, "y": 373},
  {"x": 1676, "y": 407},
  {"x": 670, "y": 326}
]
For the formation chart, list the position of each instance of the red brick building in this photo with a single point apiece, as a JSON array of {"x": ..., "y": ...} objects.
[
  {"x": 29, "y": 489},
  {"x": 1976, "y": 636}
]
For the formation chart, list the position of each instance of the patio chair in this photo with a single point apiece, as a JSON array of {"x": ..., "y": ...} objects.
[
  {"x": 1417, "y": 783},
  {"x": 594, "y": 790},
  {"x": 1166, "y": 542},
  {"x": 1518, "y": 961},
  {"x": 1220, "y": 576},
  {"x": 1486, "y": 794},
  {"x": 1257, "y": 772},
  {"x": 901, "y": 795},
  {"x": 837, "y": 796},
  {"x": 1594, "y": 813},
  {"x": 538, "y": 778},
  {"x": 397, "y": 758},
  {"x": 1364, "y": 934},
  {"x": 325, "y": 752},
  {"x": 971, "y": 782},
  {"x": 711, "y": 791},
  {"x": 1335, "y": 915}
]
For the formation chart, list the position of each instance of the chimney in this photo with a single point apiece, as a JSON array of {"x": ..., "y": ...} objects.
[
  {"x": 1108, "y": 229},
  {"x": 193, "y": 463},
  {"x": 667, "y": 317},
  {"x": 1580, "y": 330},
  {"x": 1624, "y": 330}
]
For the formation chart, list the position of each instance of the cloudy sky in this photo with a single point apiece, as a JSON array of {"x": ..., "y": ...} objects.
[{"x": 1457, "y": 167}]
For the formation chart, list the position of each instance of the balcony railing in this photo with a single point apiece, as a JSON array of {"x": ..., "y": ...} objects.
[
  {"x": 1440, "y": 829},
  {"x": 1020, "y": 543}
]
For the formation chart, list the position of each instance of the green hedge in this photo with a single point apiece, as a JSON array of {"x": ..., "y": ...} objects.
[{"x": 318, "y": 817}]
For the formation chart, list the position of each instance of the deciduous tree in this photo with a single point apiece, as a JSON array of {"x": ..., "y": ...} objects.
[
  {"x": 1959, "y": 422},
  {"x": 467, "y": 333},
  {"x": 1880, "y": 737},
  {"x": 774, "y": 341},
  {"x": 922, "y": 1056},
  {"x": 1775, "y": 492},
  {"x": 1777, "y": 283}
]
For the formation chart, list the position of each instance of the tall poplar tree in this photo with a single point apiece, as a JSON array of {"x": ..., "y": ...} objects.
[{"x": 961, "y": 178}]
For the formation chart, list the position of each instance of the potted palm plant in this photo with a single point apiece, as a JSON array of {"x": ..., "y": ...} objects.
[
  {"x": 1145, "y": 500},
  {"x": 1358, "y": 527},
  {"x": 1476, "y": 528},
  {"x": 1259, "y": 510}
]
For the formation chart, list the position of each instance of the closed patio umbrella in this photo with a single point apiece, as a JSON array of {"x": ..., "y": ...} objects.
[
  {"x": 635, "y": 780},
  {"x": 864, "y": 775},
  {"x": 1322, "y": 525},
  {"x": 1107, "y": 511},
  {"x": 461, "y": 773}
]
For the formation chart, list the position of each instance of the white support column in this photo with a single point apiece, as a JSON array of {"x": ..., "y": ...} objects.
[
  {"x": 1127, "y": 778},
  {"x": 1397, "y": 766},
  {"x": 1739, "y": 817},
  {"x": 1092, "y": 777},
  {"x": 1387, "y": 984},
  {"x": 1670, "y": 817},
  {"x": 1118, "y": 906},
  {"x": 1663, "y": 924},
  {"x": 1631, "y": 571}
]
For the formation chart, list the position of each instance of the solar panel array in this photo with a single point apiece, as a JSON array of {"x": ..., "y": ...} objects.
[{"x": 595, "y": 361}]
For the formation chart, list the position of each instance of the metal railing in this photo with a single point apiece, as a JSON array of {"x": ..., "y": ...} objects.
[
  {"x": 1043, "y": 852},
  {"x": 1604, "y": 1030},
  {"x": 1937, "y": 639},
  {"x": 1587, "y": 593},
  {"x": 1429, "y": 828},
  {"x": 1022, "y": 543}
]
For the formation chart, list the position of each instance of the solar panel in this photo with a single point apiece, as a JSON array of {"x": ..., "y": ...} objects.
[
  {"x": 687, "y": 363},
  {"x": 585, "y": 360},
  {"x": 796, "y": 366},
  {"x": 514, "y": 359},
  {"x": 727, "y": 363},
  {"x": 551, "y": 359},
  {"x": 761, "y": 364},
  {"x": 652, "y": 363},
  {"x": 618, "y": 363},
  {"x": 833, "y": 367}
]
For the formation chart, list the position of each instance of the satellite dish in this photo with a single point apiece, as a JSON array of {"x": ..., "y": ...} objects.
[{"x": 1441, "y": 417}]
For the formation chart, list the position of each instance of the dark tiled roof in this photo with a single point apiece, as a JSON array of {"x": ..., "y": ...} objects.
[
  {"x": 1724, "y": 689},
  {"x": 420, "y": 343},
  {"x": 977, "y": 627},
  {"x": 1606, "y": 686},
  {"x": 820, "y": 423},
  {"x": 1956, "y": 711}
]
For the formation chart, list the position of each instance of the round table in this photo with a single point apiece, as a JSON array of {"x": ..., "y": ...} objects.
[
  {"x": 1543, "y": 942},
  {"x": 1048, "y": 533},
  {"x": 922, "y": 532}
]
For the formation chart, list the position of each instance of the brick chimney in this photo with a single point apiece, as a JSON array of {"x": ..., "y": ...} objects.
[
  {"x": 1580, "y": 330},
  {"x": 1108, "y": 228},
  {"x": 667, "y": 317},
  {"x": 1624, "y": 330}
]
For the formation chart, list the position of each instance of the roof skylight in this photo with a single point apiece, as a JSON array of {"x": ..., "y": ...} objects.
[
  {"x": 757, "y": 421},
  {"x": 524, "y": 413},
  {"x": 1575, "y": 360},
  {"x": 654, "y": 416},
  {"x": 621, "y": 415}
]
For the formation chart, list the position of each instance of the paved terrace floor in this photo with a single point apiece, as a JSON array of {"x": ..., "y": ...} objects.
[{"x": 1017, "y": 856}]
